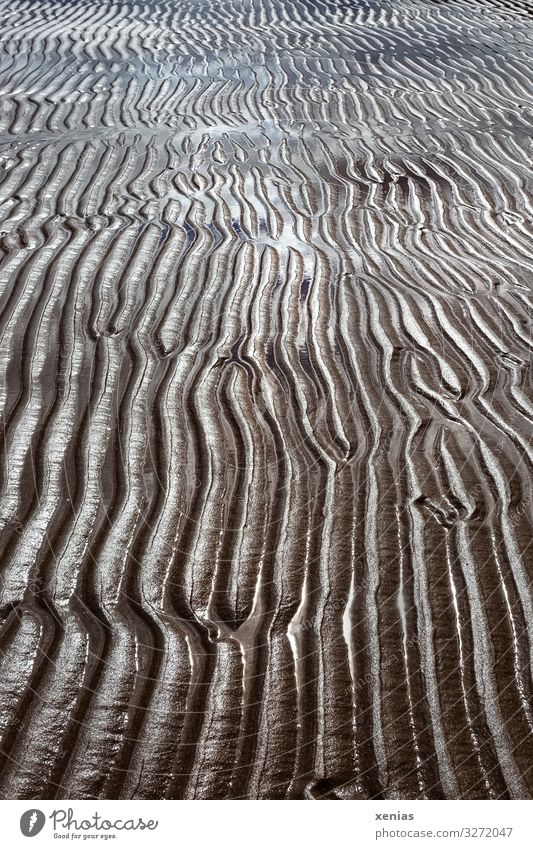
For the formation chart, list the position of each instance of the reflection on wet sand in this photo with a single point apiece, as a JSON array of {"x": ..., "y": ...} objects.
[{"x": 266, "y": 399}]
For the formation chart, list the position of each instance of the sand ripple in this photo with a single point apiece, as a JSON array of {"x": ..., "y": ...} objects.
[{"x": 266, "y": 399}]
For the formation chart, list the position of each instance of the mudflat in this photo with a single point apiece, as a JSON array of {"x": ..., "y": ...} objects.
[{"x": 266, "y": 399}]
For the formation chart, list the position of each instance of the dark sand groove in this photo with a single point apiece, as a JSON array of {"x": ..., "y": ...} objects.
[{"x": 265, "y": 386}]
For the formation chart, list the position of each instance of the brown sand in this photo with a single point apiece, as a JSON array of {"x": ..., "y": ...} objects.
[{"x": 266, "y": 396}]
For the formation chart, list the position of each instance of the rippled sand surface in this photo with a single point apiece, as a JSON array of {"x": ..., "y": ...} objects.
[{"x": 266, "y": 399}]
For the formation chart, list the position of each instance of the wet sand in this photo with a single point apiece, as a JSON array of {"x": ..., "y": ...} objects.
[{"x": 266, "y": 399}]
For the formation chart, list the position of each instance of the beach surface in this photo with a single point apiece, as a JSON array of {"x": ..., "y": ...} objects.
[{"x": 266, "y": 399}]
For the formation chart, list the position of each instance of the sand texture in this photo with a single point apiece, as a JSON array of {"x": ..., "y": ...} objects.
[{"x": 266, "y": 399}]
